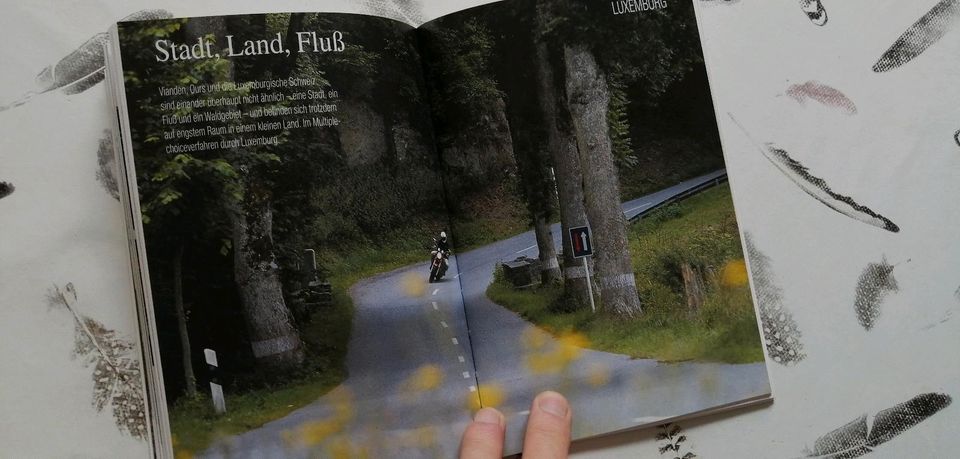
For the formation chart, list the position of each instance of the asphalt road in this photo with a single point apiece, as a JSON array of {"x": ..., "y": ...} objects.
[
  {"x": 411, "y": 361},
  {"x": 410, "y": 379}
]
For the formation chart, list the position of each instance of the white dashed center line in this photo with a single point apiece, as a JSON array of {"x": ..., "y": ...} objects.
[
  {"x": 524, "y": 413},
  {"x": 528, "y": 248},
  {"x": 435, "y": 291},
  {"x": 443, "y": 324},
  {"x": 455, "y": 342},
  {"x": 466, "y": 375},
  {"x": 461, "y": 359},
  {"x": 435, "y": 306},
  {"x": 473, "y": 388}
]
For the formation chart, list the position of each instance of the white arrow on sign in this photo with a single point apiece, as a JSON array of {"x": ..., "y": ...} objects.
[{"x": 583, "y": 237}]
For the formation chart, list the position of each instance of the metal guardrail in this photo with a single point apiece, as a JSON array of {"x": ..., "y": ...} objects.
[{"x": 681, "y": 196}]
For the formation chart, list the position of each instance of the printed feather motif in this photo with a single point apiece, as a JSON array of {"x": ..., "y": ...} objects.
[
  {"x": 82, "y": 68},
  {"x": 921, "y": 35},
  {"x": 6, "y": 189},
  {"x": 409, "y": 11},
  {"x": 817, "y": 187},
  {"x": 815, "y": 11},
  {"x": 875, "y": 282},
  {"x": 859, "y": 437},
  {"x": 117, "y": 379},
  {"x": 956, "y": 137},
  {"x": 672, "y": 437},
  {"x": 822, "y": 93},
  {"x": 780, "y": 333},
  {"x": 105, "y": 160}
]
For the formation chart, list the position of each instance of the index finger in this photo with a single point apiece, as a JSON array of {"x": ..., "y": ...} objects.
[{"x": 548, "y": 430}]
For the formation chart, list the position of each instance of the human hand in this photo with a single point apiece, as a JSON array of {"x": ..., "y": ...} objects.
[{"x": 547, "y": 436}]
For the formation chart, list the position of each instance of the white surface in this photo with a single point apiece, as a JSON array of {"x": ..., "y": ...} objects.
[{"x": 896, "y": 156}]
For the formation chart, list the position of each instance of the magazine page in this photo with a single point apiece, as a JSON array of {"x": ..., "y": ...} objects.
[
  {"x": 599, "y": 251},
  {"x": 293, "y": 216}
]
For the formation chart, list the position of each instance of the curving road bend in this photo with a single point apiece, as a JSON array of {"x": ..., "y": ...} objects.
[{"x": 411, "y": 369}]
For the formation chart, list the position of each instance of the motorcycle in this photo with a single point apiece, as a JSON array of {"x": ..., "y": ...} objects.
[{"x": 438, "y": 264}]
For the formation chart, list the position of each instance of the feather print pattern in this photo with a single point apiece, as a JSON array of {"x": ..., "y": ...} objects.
[
  {"x": 117, "y": 378},
  {"x": 780, "y": 333},
  {"x": 859, "y": 437},
  {"x": 823, "y": 94},
  {"x": 815, "y": 11},
  {"x": 82, "y": 68},
  {"x": 6, "y": 189},
  {"x": 875, "y": 282},
  {"x": 928, "y": 30},
  {"x": 672, "y": 438},
  {"x": 409, "y": 11},
  {"x": 956, "y": 137},
  {"x": 817, "y": 187},
  {"x": 106, "y": 165}
]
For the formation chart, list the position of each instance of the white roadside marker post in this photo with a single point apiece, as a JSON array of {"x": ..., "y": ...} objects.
[{"x": 216, "y": 390}]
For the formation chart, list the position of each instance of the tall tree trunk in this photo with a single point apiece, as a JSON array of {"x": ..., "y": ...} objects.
[
  {"x": 274, "y": 339},
  {"x": 563, "y": 148},
  {"x": 190, "y": 380},
  {"x": 589, "y": 101},
  {"x": 525, "y": 116},
  {"x": 550, "y": 272}
]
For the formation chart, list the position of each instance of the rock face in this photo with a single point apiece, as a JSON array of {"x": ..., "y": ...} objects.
[
  {"x": 408, "y": 143},
  {"x": 484, "y": 153},
  {"x": 362, "y": 133}
]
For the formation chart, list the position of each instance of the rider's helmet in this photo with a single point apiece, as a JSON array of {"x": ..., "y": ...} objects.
[{"x": 443, "y": 235}]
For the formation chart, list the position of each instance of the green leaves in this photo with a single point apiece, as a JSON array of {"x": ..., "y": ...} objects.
[
  {"x": 619, "y": 123},
  {"x": 460, "y": 76},
  {"x": 167, "y": 195}
]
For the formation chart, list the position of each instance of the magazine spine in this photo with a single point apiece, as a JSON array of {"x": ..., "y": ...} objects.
[{"x": 159, "y": 428}]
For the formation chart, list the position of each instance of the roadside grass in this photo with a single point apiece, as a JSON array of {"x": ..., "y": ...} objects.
[
  {"x": 700, "y": 231},
  {"x": 196, "y": 426},
  {"x": 194, "y": 423}
]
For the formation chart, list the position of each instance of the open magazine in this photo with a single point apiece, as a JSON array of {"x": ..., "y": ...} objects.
[{"x": 349, "y": 234}]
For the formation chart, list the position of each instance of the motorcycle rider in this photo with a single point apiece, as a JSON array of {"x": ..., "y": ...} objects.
[
  {"x": 441, "y": 242},
  {"x": 442, "y": 247}
]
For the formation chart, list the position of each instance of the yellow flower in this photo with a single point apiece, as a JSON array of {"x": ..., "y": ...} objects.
[
  {"x": 599, "y": 375},
  {"x": 734, "y": 274},
  {"x": 414, "y": 285},
  {"x": 492, "y": 396},
  {"x": 426, "y": 378}
]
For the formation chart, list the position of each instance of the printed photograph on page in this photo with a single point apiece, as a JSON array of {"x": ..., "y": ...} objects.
[
  {"x": 598, "y": 247},
  {"x": 296, "y": 231}
]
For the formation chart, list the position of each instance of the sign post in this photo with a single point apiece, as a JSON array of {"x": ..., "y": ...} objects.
[{"x": 583, "y": 248}]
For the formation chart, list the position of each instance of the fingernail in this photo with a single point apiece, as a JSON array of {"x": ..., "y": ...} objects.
[
  {"x": 488, "y": 416},
  {"x": 553, "y": 403}
]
